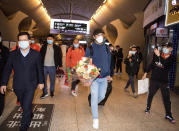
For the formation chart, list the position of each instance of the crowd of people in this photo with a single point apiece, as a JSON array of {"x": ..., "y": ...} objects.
[{"x": 31, "y": 65}]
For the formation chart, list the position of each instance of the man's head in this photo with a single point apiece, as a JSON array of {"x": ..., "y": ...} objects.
[
  {"x": 32, "y": 40},
  {"x": 167, "y": 48},
  {"x": 23, "y": 40},
  {"x": 50, "y": 39},
  {"x": 133, "y": 48},
  {"x": 98, "y": 35},
  {"x": 117, "y": 47},
  {"x": 76, "y": 43},
  {"x": 111, "y": 47}
]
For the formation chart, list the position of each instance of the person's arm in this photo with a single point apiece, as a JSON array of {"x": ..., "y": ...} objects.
[
  {"x": 40, "y": 69},
  {"x": 126, "y": 61},
  {"x": 68, "y": 58},
  {"x": 60, "y": 56},
  {"x": 83, "y": 52},
  {"x": 109, "y": 60},
  {"x": 151, "y": 66},
  {"x": 6, "y": 73},
  {"x": 167, "y": 63},
  {"x": 87, "y": 53}
]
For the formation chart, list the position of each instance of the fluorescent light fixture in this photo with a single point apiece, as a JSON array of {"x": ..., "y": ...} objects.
[
  {"x": 83, "y": 42},
  {"x": 104, "y": 1}
]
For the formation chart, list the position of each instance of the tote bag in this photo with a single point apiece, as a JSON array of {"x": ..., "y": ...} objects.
[{"x": 143, "y": 86}]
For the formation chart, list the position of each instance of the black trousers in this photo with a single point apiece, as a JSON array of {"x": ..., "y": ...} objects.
[
  {"x": 2, "y": 101},
  {"x": 165, "y": 91},
  {"x": 131, "y": 81},
  {"x": 74, "y": 84},
  {"x": 119, "y": 66},
  {"x": 25, "y": 97}
]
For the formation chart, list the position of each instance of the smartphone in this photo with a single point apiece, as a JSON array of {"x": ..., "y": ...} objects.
[{"x": 132, "y": 52}]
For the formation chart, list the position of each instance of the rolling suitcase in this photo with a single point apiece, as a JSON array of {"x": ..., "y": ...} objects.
[{"x": 108, "y": 92}]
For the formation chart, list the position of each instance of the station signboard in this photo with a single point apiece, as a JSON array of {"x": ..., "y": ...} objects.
[
  {"x": 65, "y": 26},
  {"x": 172, "y": 14}
]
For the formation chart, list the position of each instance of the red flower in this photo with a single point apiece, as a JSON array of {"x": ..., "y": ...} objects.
[{"x": 86, "y": 66}]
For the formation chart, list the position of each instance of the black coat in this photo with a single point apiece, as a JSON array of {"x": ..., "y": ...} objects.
[
  {"x": 131, "y": 67},
  {"x": 27, "y": 74},
  {"x": 112, "y": 66},
  {"x": 57, "y": 54},
  {"x": 4, "y": 53},
  {"x": 119, "y": 56},
  {"x": 160, "y": 72}
]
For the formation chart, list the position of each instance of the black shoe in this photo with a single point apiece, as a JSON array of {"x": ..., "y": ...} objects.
[
  {"x": 32, "y": 115},
  {"x": 44, "y": 96},
  {"x": 101, "y": 104},
  {"x": 171, "y": 119},
  {"x": 23, "y": 129},
  {"x": 52, "y": 94}
]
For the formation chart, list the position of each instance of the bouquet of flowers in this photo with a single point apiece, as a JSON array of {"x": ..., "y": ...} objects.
[{"x": 86, "y": 71}]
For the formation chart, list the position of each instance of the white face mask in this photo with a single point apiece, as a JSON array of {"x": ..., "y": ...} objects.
[
  {"x": 32, "y": 41},
  {"x": 0, "y": 39},
  {"x": 23, "y": 44},
  {"x": 100, "y": 39}
]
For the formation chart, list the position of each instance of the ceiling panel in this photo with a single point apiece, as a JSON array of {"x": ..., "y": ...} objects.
[{"x": 81, "y": 9}]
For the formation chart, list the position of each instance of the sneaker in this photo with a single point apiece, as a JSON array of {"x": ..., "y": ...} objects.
[
  {"x": 44, "y": 96},
  {"x": 21, "y": 110},
  {"x": 18, "y": 103},
  {"x": 126, "y": 89},
  {"x": 51, "y": 94},
  {"x": 171, "y": 119},
  {"x": 95, "y": 123},
  {"x": 147, "y": 111},
  {"x": 135, "y": 95},
  {"x": 73, "y": 93}
]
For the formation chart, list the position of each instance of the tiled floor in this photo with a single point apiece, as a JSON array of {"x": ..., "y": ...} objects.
[{"x": 122, "y": 112}]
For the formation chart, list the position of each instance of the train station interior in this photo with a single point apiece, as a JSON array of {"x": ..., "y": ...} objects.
[{"x": 145, "y": 25}]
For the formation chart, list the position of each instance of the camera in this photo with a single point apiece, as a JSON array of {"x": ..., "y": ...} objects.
[{"x": 157, "y": 46}]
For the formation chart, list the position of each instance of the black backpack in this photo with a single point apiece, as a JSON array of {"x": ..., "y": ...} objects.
[{"x": 91, "y": 50}]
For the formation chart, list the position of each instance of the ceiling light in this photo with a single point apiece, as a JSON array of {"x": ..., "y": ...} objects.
[{"x": 104, "y": 1}]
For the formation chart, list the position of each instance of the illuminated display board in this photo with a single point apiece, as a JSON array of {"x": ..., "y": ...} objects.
[{"x": 64, "y": 26}]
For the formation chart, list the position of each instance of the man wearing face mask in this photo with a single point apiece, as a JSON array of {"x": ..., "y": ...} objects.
[
  {"x": 160, "y": 66},
  {"x": 51, "y": 59},
  {"x": 28, "y": 73},
  {"x": 74, "y": 55},
  {"x": 131, "y": 69},
  {"x": 4, "y": 53},
  {"x": 102, "y": 59}
]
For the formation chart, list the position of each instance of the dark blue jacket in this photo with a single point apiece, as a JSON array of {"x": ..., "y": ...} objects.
[
  {"x": 28, "y": 71},
  {"x": 101, "y": 58}
]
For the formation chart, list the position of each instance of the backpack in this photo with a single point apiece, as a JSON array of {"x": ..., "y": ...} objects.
[{"x": 91, "y": 50}]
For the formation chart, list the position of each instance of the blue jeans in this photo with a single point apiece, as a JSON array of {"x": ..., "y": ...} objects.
[
  {"x": 51, "y": 70},
  {"x": 131, "y": 81},
  {"x": 98, "y": 91}
]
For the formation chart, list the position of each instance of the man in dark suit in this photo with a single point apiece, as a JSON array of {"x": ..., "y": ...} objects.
[
  {"x": 4, "y": 52},
  {"x": 28, "y": 73}
]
